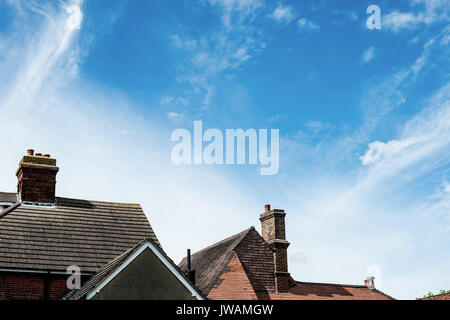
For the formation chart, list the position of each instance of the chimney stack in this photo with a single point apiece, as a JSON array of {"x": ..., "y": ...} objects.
[
  {"x": 274, "y": 233},
  {"x": 370, "y": 283},
  {"x": 37, "y": 178}
]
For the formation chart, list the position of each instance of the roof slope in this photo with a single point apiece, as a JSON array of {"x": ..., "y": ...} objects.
[
  {"x": 109, "y": 268},
  {"x": 88, "y": 234},
  {"x": 101, "y": 275},
  {"x": 327, "y": 291},
  {"x": 442, "y": 296},
  {"x": 9, "y": 197},
  {"x": 210, "y": 262},
  {"x": 258, "y": 264},
  {"x": 257, "y": 259}
]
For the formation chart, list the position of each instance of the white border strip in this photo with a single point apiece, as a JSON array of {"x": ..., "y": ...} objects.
[{"x": 161, "y": 257}]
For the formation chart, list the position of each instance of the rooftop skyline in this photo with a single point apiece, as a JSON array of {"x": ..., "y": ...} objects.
[{"x": 363, "y": 118}]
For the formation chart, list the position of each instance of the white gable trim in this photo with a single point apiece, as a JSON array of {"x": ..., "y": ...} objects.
[{"x": 161, "y": 257}]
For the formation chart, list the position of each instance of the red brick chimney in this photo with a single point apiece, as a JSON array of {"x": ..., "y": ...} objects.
[
  {"x": 274, "y": 233},
  {"x": 37, "y": 178}
]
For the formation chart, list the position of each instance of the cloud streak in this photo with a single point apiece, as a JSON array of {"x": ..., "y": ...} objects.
[
  {"x": 47, "y": 58},
  {"x": 432, "y": 11}
]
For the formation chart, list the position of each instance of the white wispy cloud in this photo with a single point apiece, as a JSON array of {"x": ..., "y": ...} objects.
[
  {"x": 174, "y": 101},
  {"x": 221, "y": 51},
  {"x": 276, "y": 118},
  {"x": 379, "y": 150},
  {"x": 48, "y": 56},
  {"x": 369, "y": 54},
  {"x": 174, "y": 116},
  {"x": 305, "y": 24},
  {"x": 283, "y": 14},
  {"x": 397, "y": 21},
  {"x": 425, "y": 12},
  {"x": 235, "y": 12},
  {"x": 426, "y": 135}
]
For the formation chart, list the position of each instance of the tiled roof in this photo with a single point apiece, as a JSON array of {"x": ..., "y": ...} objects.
[
  {"x": 327, "y": 291},
  {"x": 210, "y": 262},
  {"x": 88, "y": 234},
  {"x": 8, "y": 197},
  {"x": 257, "y": 261},
  {"x": 443, "y": 296}
]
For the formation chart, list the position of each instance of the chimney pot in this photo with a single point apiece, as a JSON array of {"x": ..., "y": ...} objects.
[
  {"x": 370, "y": 283},
  {"x": 30, "y": 152},
  {"x": 46, "y": 155},
  {"x": 38, "y": 154},
  {"x": 267, "y": 207}
]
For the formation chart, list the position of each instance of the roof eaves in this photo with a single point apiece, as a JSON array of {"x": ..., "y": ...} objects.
[
  {"x": 383, "y": 294},
  {"x": 346, "y": 285}
]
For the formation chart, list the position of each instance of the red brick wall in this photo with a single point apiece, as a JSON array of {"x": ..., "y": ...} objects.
[
  {"x": 258, "y": 261},
  {"x": 15, "y": 286},
  {"x": 37, "y": 185},
  {"x": 233, "y": 284}
]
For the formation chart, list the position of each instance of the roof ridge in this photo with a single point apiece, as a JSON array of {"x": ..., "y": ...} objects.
[
  {"x": 240, "y": 235},
  {"x": 99, "y": 201},
  {"x": 331, "y": 284},
  {"x": 345, "y": 285},
  {"x": 437, "y": 295}
]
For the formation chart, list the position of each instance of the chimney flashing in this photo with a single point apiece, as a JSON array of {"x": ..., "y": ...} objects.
[
  {"x": 38, "y": 204},
  {"x": 278, "y": 242}
]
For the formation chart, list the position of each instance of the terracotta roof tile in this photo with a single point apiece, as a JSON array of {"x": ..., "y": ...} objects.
[
  {"x": 327, "y": 291},
  {"x": 210, "y": 262}
]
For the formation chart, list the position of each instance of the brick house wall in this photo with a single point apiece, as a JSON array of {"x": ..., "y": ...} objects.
[{"x": 27, "y": 286}]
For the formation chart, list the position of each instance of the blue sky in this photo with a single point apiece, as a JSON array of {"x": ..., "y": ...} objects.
[{"x": 364, "y": 120}]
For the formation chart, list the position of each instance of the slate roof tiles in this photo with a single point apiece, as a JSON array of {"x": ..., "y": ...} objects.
[{"x": 88, "y": 234}]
